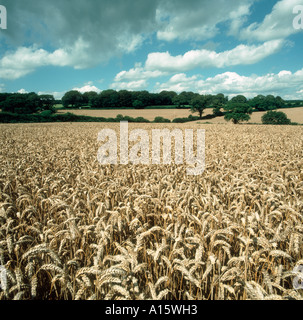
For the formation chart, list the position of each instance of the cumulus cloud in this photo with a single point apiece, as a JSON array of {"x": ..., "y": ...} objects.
[
  {"x": 138, "y": 73},
  {"x": 163, "y": 63},
  {"x": 130, "y": 85},
  {"x": 88, "y": 88},
  {"x": 241, "y": 55},
  {"x": 86, "y": 33},
  {"x": 135, "y": 78},
  {"x": 276, "y": 25},
  {"x": 22, "y": 91},
  {"x": 178, "y": 83},
  {"x": 159, "y": 64},
  {"x": 25, "y": 60},
  {"x": 82, "y": 33},
  {"x": 284, "y": 83},
  {"x": 57, "y": 95}
]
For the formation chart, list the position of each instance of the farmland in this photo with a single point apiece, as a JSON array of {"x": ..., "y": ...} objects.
[
  {"x": 71, "y": 229},
  {"x": 294, "y": 114}
]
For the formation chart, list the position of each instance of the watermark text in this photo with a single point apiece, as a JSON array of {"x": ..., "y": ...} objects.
[
  {"x": 298, "y": 280},
  {"x": 3, "y": 278},
  {"x": 3, "y": 17},
  {"x": 139, "y": 153},
  {"x": 298, "y": 20}
]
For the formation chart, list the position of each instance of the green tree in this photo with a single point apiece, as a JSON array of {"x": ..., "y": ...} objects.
[
  {"x": 239, "y": 99},
  {"x": 145, "y": 97},
  {"x": 237, "y": 111},
  {"x": 156, "y": 99},
  {"x": 34, "y": 101},
  {"x": 109, "y": 99},
  {"x": 138, "y": 104},
  {"x": 21, "y": 103},
  {"x": 179, "y": 101},
  {"x": 125, "y": 98},
  {"x": 88, "y": 97},
  {"x": 183, "y": 99},
  {"x": 279, "y": 102},
  {"x": 265, "y": 103},
  {"x": 270, "y": 102},
  {"x": 47, "y": 102},
  {"x": 72, "y": 98},
  {"x": 161, "y": 120},
  {"x": 218, "y": 102},
  {"x": 258, "y": 103},
  {"x": 275, "y": 117},
  {"x": 166, "y": 97},
  {"x": 199, "y": 103},
  {"x": 4, "y": 96}
]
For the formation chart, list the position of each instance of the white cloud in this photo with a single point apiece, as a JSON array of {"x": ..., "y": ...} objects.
[
  {"x": 88, "y": 33},
  {"x": 82, "y": 33},
  {"x": 138, "y": 73},
  {"x": 286, "y": 84},
  {"x": 57, "y": 95},
  {"x": 87, "y": 88},
  {"x": 159, "y": 64},
  {"x": 22, "y": 91},
  {"x": 25, "y": 60},
  {"x": 20, "y": 63},
  {"x": 135, "y": 78},
  {"x": 241, "y": 55},
  {"x": 129, "y": 43},
  {"x": 178, "y": 83},
  {"x": 131, "y": 85},
  {"x": 181, "y": 77},
  {"x": 276, "y": 25}
]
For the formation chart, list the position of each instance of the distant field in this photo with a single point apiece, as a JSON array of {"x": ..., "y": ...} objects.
[
  {"x": 146, "y": 113},
  {"x": 294, "y": 114}
]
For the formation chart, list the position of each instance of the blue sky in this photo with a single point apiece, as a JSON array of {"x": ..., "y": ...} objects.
[{"x": 234, "y": 47}]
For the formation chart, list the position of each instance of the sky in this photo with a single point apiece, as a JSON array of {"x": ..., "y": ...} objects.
[{"x": 233, "y": 47}]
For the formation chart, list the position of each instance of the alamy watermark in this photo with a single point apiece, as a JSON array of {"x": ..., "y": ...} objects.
[
  {"x": 3, "y": 278},
  {"x": 140, "y": 152},
  {"x": 298, "y": 20},
  {"x": 3, "y": 17},
  {"x": 298, "y": 280}
]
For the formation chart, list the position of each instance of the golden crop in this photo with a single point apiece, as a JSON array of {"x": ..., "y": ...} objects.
[{"x": 73, "y": 229}]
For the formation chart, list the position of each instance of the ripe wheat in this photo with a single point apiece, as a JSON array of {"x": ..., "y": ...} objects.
[{"x": 73, "y": 229}]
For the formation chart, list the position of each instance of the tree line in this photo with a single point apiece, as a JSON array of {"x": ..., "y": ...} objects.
[
  {"x": 118, "y": 99},
  {"x": 236, "y": 109},
  {"x": 142, "y": 99},
  {"x": 28, "y": 103}
]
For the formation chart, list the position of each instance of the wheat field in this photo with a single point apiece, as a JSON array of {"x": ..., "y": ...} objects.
[{"x": 71, "y": 229}]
